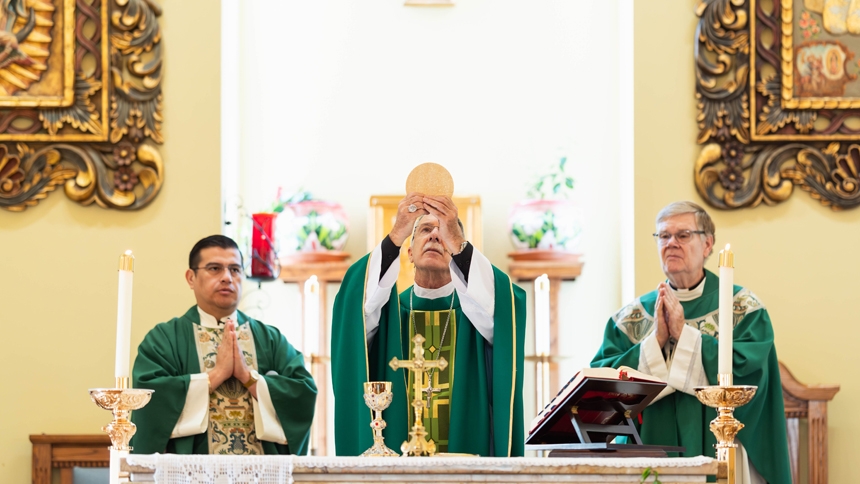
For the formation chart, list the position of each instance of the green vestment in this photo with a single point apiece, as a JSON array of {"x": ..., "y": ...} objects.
[
  {"x": 679, "y": 419},
  {"x": 168, "y": 357},
  {"x": 485, "y": 417}
]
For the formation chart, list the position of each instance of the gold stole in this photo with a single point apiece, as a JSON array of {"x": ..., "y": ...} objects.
[
  {"x": 231, "y": 413},
  {"x": 431, "y": 325}
]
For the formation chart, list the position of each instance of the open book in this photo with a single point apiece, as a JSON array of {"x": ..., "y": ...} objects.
[{"x": 596, "y": 415}]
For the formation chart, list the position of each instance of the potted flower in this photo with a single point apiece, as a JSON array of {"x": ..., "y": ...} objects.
[
  {"x": 547, "y": 224},
  {"x": 309, "y": 229}
]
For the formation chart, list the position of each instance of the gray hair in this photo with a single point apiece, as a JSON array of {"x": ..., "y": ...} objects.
[{"x": 703, "y": 220}]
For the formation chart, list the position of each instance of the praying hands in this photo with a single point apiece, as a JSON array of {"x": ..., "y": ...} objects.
[
  {"x": 669, "y": 314},
  {"x": 230, "y": 362}
]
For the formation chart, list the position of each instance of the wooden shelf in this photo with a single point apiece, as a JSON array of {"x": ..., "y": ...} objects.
[
  {"x": 529, "y": 270},
  {"x": 325, "y": 271}
]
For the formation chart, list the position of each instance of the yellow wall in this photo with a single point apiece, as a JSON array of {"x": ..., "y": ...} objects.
[
  {"x": 59, "y": 260},
  {"x": 799, "y": 257}
]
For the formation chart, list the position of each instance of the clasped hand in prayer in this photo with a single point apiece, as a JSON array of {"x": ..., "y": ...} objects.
[
  {"x": 229, "y": 361},
  {"x": 669, "y": 314}
]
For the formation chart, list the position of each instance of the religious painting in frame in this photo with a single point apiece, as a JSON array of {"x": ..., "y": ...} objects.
[
  {"x": 778, "y": 91},
  {"x": 80, "y": 102}
]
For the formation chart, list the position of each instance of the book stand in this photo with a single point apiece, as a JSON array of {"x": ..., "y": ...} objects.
[{"x": 596, "y": 412}]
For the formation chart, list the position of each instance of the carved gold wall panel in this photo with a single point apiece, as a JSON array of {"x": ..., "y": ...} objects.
[
  {"x": 80, "y": 102},
  {"x": 778, "y": 91}
]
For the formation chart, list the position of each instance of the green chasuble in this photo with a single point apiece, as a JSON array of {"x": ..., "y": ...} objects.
[
  {"x": 679, "y": 418},
  {"x": 168, "y": 357},
  {"x": 479, "y": 409}
]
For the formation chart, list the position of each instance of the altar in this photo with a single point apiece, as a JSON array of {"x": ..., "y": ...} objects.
[{"x": 212, "y": 469}]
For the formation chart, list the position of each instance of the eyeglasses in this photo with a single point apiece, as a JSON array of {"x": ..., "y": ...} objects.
[
  {"x": 215, "y": 270},
  {"x": 683, "y": 236}
]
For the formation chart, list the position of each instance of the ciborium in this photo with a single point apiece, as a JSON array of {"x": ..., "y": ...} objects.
[
  {"x": 725, "y": 398},
  {"x": 377, "y": 396},
  {"x": 120, "y": 401}
]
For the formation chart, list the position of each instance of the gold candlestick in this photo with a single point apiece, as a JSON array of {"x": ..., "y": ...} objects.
[
  {"x": 120, "y": 401},
  {"x": 418, "y": 445},
  {"x": 725, "y": 398}
]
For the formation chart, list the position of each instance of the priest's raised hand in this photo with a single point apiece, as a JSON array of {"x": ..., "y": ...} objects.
[
  {"x": 450, "y": 230},
  {"x": 408, "y": 210}
]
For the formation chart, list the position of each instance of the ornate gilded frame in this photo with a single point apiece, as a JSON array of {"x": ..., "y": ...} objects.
[
  {"x": 760, "y": 141},
  {"x": 100, "y": 143}
]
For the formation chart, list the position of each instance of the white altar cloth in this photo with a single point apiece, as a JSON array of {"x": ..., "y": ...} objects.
[{"x": 215, "y": 469}]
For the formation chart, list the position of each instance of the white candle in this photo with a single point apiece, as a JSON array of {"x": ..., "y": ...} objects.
[
  {"x": 123, "y": 314},
  {"x": 726, "y": 311},
  {"x": 542, "y": 336},
  {"x": 312, "y": 317}
]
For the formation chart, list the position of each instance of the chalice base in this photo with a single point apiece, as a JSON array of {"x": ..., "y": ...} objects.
[{"x": 379, "y": 450}]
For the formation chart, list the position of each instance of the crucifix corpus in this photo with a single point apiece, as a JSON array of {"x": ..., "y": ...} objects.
[{"x": 418, "y": 445}]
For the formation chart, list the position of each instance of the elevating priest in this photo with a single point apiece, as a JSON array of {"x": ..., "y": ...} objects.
[
  {"x": 469, "y": 312},
  {"x": 672, "y": 333},
  {"x": 224, "y": 383}
]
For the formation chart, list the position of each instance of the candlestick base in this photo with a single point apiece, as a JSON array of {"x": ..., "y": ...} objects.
[
  {"x": 120, "y": 401},
  {"x": 725, "y": 398}
]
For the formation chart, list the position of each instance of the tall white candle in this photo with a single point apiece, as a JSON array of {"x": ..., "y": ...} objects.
[
  {"x": 726, "y": 311},
  {"x": 542, "y": 336},
  {"x": 123, "y": 314},
  {"x": 312, "y": 317}
]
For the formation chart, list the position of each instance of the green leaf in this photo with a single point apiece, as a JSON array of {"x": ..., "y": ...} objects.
[
  {"x": 323, "y": 236},
  {"x": 569, "y": 182},
  {"x": 556, "y": 188},
  {"x": 562, "y": 163}
]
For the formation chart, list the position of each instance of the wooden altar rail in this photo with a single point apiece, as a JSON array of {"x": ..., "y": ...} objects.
[
  {"x": 65, "y": 452},
  {"x": 809, "y": 402}
]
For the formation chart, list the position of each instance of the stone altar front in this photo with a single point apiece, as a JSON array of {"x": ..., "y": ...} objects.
[{"x": 212, "y": 469}]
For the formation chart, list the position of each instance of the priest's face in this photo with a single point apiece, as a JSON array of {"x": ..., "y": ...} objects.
[
  {"x": 683, "y": 261},
  {"x": 427, "y": 251},
  {"x": 217, "y": 281}
]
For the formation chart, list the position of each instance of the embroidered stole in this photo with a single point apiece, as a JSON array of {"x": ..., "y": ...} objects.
[
  {"x": 231, "y": 413},
  {"x": 431, "y": 324}
]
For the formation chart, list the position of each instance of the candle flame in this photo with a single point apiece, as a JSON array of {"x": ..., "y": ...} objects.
[
  {"x": 728, "y": 247},
  {"x": 128, "y": 252}
]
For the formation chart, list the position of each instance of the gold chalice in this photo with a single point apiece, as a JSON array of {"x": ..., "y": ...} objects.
[{"x": 377, "y": 396}]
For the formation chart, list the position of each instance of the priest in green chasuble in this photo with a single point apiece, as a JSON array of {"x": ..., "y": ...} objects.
[
  {"x": 672, "y": 333},
  {"x": 224, "y": 383},
  {"x": 468, "y": 311}
]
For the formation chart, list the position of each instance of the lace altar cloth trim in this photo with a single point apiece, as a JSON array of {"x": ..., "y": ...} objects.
[{"x": 273, "y": 469}]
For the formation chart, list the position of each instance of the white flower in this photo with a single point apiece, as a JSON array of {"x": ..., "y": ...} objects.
[{"x": 547, "y": 241}]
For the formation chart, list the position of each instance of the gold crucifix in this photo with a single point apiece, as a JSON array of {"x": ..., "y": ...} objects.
[{"x": 418, "y": 444}]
